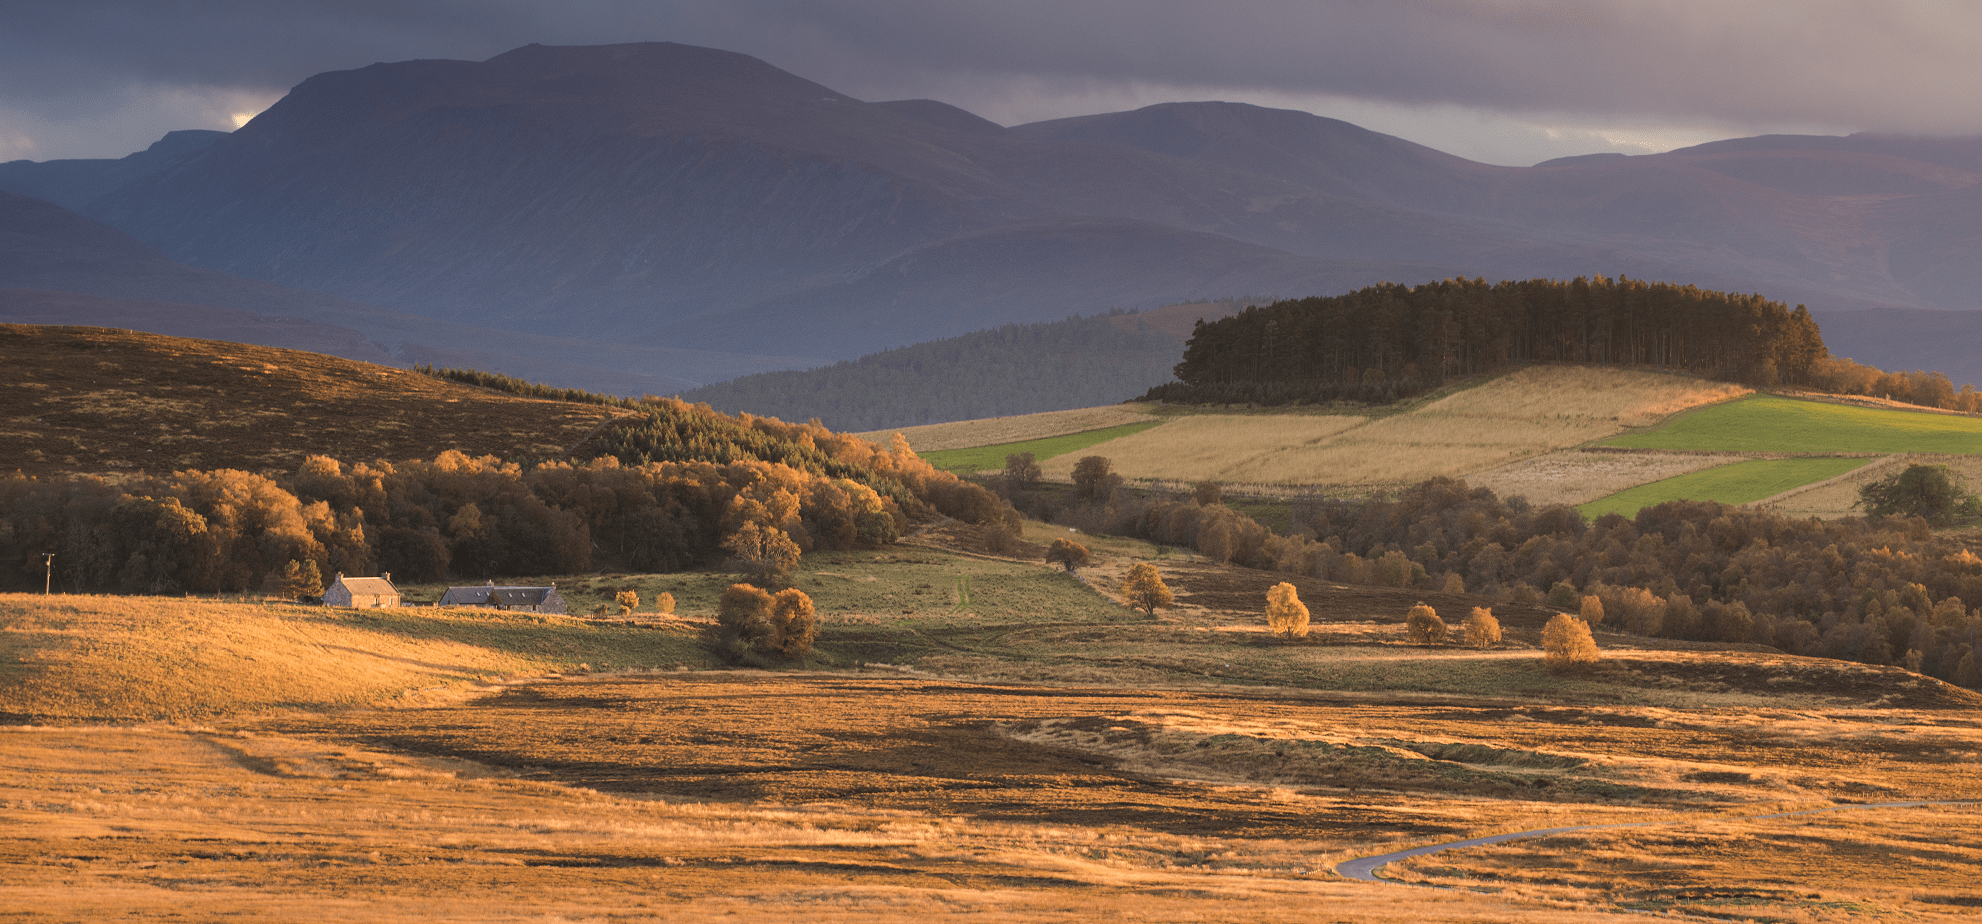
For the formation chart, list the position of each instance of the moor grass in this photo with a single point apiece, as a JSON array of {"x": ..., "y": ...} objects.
[
  {"x": 95, "y": 400},
  {"x": 1737, "y": 483},
  {"x": 1771, "y": 423}
]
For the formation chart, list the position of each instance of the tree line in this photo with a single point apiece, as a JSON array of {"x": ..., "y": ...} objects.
[
  {"x": 1876, "y": 590},
  {"x": 668, "y": 490},
  {"x": 1389, "y": 341}
]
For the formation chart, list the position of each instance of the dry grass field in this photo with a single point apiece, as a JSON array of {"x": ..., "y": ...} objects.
[
  {"x": 992, "y": 431},
  {"x": 1574, "y": 477},
  {"x": 83, "y": 399},
  {"x": 1527, "y": 413},
  {"x": 1836, "y": 497},
  {"x": 997, "y": 742}
]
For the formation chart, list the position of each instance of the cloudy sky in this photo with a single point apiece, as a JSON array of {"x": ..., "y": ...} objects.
[{"x": 1501, "y": 81}]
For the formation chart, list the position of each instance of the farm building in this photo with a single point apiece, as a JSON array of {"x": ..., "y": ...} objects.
[
  {"x": 491, "y": 596},
  {"x": 361, "y": 592}
]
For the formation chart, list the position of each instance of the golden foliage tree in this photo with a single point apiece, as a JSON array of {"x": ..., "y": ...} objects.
[
  {"x": 1480, "y": 629},
  {"x": 1144, "y": 589},
  {"x": 1423, "y": 625},
  {"x": 1592, "y": 610},
  {"x": 1567, "y": 645},
  {"x": 1068, "y": 554},
  {"x": 762, "y": 553},
  {"x": 1285, "y": 613},
  {"x": 795, "y": 623},
  {"x": 628, "y": 600},
  {"x": 744, "y": 618},
  {"x": 664, "y": 604}
]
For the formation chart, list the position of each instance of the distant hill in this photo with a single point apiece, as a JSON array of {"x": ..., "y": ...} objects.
[
  {"x": 59, "y": 267},
  {"x": 1014, "y": 369},
  {"x": 81, "y": 399},
  {"x": 691, "y": 197}
]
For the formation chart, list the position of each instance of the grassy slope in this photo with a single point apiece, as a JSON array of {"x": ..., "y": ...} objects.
[
  {"x": 82, "y": 399},
  {"x": 1767, "y": 423},
  {"x": 1739, "y": 483},
  {"x": 980, "y": 458},
  {"x": 179, "y": 659}
]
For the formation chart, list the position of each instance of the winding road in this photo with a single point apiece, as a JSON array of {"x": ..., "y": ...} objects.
[{"x": 1365, "y": 868}]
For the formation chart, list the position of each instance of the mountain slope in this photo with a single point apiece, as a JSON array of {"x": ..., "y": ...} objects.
[
  {"x": 46, "y": 250},
  {"x": 667, "y": 194}
]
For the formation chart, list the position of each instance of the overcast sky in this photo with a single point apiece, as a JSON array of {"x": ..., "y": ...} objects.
[{"x": 1503, "y": 82}]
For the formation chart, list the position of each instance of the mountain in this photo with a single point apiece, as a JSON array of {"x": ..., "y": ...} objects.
[
  {"x": 73, "y": 184},
  {"x": 59, "y": 267},
  {"x": 668, "y": 195}
]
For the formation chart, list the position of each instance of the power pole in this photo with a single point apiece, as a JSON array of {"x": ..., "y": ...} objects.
[{"x": 48, "y": 578}]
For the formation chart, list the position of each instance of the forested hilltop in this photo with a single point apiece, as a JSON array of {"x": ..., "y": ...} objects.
[{"x": 1389, "y": 341}]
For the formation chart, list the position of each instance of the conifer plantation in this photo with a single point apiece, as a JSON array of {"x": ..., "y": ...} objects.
[{"x": 1390, "y": 341}]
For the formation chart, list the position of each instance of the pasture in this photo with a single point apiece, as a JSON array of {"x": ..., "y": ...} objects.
[
  {"x": 965, "y": 434},
  {"x": 1525, "y": 413},
  {"x": 1773, "y": 424},
  {"x": 1737, "y": 483},
  {"x": 983, "y": 458}
]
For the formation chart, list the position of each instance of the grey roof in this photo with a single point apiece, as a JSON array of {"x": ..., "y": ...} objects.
[
  {"x": 489, "y": 595},
  {"x": 367, "y": 587}
]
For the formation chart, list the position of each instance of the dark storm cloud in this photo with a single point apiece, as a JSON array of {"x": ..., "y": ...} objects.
[{"x": 1847, "y": 65}]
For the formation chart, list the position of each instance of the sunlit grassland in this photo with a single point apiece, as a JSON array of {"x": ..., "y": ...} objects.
[
  {"x": 1739, "y": 483},
  {"x": 980, "y": 458},
  {"x": 182, "y": 659},
  {"x": 1769, "y": 423},
  {"x": 1522, "y": 414}
]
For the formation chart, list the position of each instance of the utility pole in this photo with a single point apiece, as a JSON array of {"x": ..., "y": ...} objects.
[{"x": 48, "y": 578}]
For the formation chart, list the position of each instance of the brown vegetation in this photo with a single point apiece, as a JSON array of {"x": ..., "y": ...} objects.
[{"x": 83, "y": 399}]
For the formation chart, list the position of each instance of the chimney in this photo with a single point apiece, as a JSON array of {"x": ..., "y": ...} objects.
[{"x": 387, "y": 575}]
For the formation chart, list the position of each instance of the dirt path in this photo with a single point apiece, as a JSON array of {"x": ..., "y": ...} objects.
[{"x": 1365, "y": 868}]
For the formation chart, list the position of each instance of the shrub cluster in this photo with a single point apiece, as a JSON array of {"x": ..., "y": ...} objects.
[{"x": 1882, "y": 590}]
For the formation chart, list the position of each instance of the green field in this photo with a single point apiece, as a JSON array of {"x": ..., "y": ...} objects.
[
  {"x": 1767, "y": 423},
  {"x": 980, "y": 458},
  {"x": 1739, "y": 483}
]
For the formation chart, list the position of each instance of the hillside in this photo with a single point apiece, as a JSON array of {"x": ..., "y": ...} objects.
[
  {"x": 80, "y": 399},
  {"x": 59, "y": 267},
  {"x": 724, "y": 204}
]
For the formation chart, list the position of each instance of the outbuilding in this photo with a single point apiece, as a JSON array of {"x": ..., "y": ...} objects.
[
  {"x": 361, "y": 592},
  {"x": 506, "y": 597}
]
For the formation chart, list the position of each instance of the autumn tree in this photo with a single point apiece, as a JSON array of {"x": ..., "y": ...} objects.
[
  {"x": 1095, "y": 479},
  {"x": 1207, "y": 493},
  {"x": 1481, "y": 630},
  {"x": 1423, "y": 626},
  {"x": 1144, "y": 589},
  {"x": 794, "y": 622},
  {"x": 1285, "y": 613},
  {"x": 1021, "y": 471},
  {"x": 664, "y": 604},
  {"x": 1925, "y": 491},
  {"x": 628, "y": 601},
  {"x": 1068, "y": 554},
  {"x": 744, "y": 618},
  {"x": 1567, "y": 645},
  {"x": 1592, "y": 610},
  {"x": 763, "y": 554}
]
